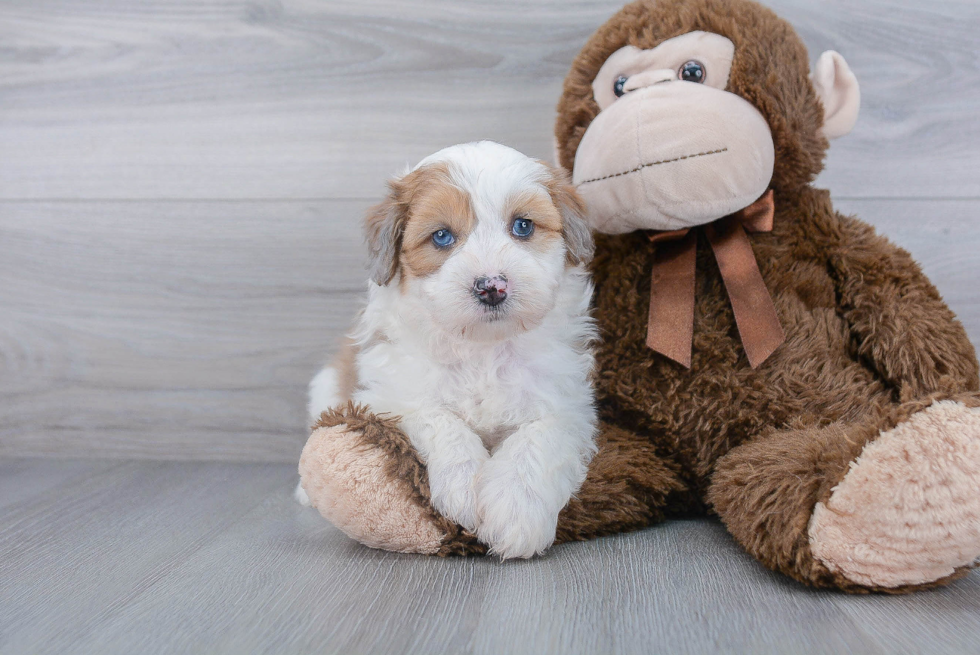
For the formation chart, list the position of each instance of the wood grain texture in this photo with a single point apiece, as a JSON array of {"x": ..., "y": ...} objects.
[
  {"x": 189, "y": 330},
  {"x": 170, "y": 330},
  {"x": 188, "y": 557},
  {"x": 20, "y": 480},
  {"x": 303, "y": 99},
  {"x": 91, "y": 546},
  {"x": 181, "y": 186}
]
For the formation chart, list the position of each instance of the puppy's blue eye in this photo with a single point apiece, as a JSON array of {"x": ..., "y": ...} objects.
[
  {"x": 522, "y": 227},
  {"x": 443, "y": 238}
]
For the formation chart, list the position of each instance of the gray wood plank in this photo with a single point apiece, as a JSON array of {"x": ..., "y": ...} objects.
[
  {"x": 24, "y": 479},
  {"x": 80, "y": 550},
  {"x": 170, "y": 330},
  {"x": 236, "y": 99},
  {"x": 155, "y": 559},
  {"x": 188, "y": 330}
]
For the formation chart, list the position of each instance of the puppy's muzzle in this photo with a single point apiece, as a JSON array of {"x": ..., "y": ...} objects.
[{"x": 490, "y": 291}]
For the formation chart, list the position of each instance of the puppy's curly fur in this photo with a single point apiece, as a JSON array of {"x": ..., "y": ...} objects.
[{"x": 491, "y": 388}]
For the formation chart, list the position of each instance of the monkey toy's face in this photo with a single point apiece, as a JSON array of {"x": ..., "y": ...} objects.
[
  {"x": 673, "y": 142},
  {"x": 671, "y": 147}
]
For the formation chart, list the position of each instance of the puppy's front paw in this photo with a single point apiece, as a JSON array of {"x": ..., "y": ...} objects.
[
  {"x": 515, "y": 520},
  {"x": 453, "y": 491}
]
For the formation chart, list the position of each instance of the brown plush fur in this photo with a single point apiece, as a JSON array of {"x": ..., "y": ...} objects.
[
  {"x": 628, "y": 487},
  {"x": 869, "y": 341}
]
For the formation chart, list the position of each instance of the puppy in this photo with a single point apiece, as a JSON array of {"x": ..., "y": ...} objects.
[{"x": 477, "y": 334}]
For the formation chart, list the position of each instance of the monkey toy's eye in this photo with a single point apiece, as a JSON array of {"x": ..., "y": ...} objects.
[
  {"x": 619, "y": 84},
  {"x": 443, "y": 238},
  {"x": 522, "y": 227},
  {"x": 692, "y": 71}
]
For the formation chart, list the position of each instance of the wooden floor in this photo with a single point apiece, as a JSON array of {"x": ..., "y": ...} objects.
[
  {"x": 181, "y": 185},
  {"x": 165, "y": 557}
]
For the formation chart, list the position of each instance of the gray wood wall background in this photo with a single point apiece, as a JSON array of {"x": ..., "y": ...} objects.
[{"x": 182, "y": 182}]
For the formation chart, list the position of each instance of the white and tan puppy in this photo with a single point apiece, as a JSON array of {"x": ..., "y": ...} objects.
[{"x": 477, "y": 334}]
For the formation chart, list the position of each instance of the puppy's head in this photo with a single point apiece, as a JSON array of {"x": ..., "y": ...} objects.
[{"x": 479, "y": 236}]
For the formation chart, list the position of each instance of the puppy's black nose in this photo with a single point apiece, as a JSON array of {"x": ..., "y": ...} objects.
[{"x": 490, "y": 291}]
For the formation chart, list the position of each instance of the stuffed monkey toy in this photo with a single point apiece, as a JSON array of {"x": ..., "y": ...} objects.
[{"x": 764, "y": 358}]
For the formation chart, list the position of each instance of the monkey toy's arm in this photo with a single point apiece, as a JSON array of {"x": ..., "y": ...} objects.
[{"x": 902, "y": 327}]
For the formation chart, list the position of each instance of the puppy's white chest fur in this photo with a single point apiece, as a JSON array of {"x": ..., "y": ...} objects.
[
  {"x": 482, "y": 389},
  {"x": 492, "y": 390},
  {"x": 406, "y": 368}
]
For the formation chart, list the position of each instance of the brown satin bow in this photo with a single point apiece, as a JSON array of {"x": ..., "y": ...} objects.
[{"x": 670, "y": 326}]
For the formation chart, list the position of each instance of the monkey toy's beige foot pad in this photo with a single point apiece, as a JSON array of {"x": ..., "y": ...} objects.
[
  {"x": 348, "y": 480},
  {"x": 908, "y": 510}
]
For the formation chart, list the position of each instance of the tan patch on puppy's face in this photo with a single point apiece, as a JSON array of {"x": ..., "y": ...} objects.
[
  {"x": 474, "y": 192},
  {"x": 437, "y": 204},
  {"x": 540, "y": 209}
]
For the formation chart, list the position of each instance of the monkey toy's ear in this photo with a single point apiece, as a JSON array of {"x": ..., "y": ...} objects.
[{"x": 839, "y": 94}]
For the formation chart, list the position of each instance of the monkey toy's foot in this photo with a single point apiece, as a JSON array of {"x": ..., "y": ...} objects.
[
  {"x": 360, "y": 471},
  {"x": 908, "y": 510}
]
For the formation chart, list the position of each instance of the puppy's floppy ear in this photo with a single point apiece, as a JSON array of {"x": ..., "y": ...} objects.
[
  {"x": 384, "y": 226},
  {"x": 575, "y": 227}
]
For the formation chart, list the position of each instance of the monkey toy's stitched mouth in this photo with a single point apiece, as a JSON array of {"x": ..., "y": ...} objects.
[{"x": 654, "y": 163}]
